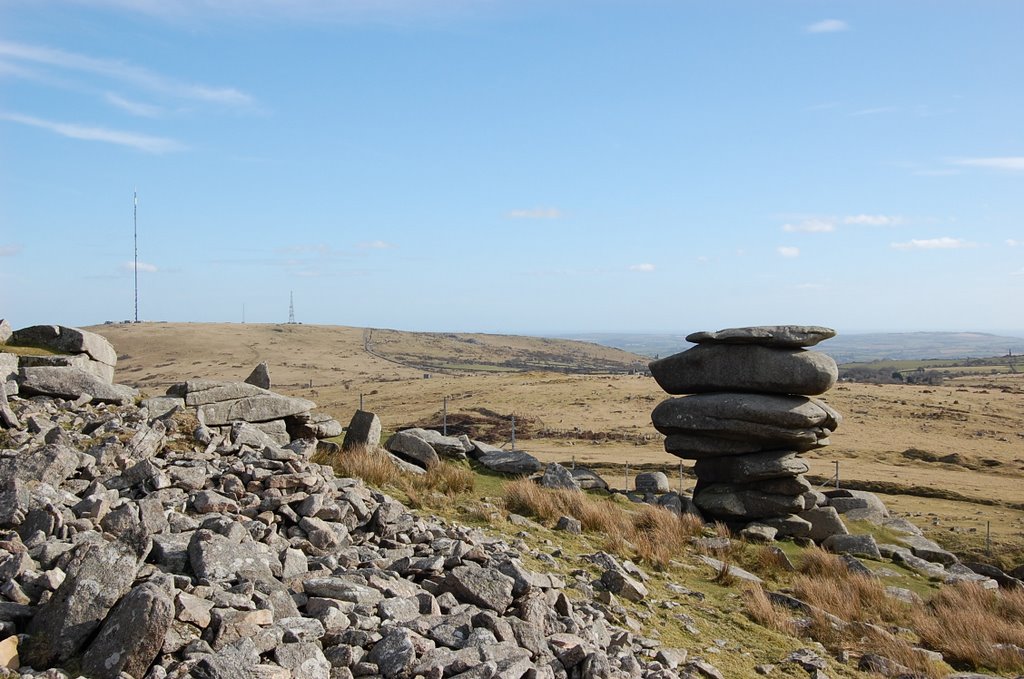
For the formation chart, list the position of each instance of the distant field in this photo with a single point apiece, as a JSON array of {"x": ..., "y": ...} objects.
[{"x": 892, "y": 433}]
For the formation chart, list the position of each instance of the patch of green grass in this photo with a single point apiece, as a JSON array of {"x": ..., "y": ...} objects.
[{"x": 27, "y": 350}]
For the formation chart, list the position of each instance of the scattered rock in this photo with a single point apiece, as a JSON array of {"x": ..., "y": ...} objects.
[{"x": 260, "y": 376}]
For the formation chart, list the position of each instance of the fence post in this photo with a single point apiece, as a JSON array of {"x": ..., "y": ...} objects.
[
  {"x": 360, "y": 401},
  {"x": 444, "y": 425},
  {"x": 513, "y": 432},
  {"x": 680, "y": 477},
  {"x": 988, "y": 538},
  {"x": 837, "y": 473},
  {"x": 627, "y": 477}
]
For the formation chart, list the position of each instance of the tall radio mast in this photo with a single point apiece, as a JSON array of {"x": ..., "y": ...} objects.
[{"x": 135, "y": 224}]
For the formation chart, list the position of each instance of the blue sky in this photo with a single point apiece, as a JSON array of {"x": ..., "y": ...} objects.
[{"x": 515, "y": 166}]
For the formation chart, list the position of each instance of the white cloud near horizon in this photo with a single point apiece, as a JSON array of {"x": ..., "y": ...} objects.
[
  {"x": 810, "y": 226},
  {"x": 944, "y": 243},
  {"x": 376, "y": 245},
  {"x": 140, "y": 142},
  {"x": 994, "y": 162},
  {"x": 1013, "y": 242},
  {"x": 9, "y": 250},
  {"x": 828, "y": 26},
  {"x": 123, "y": 72},
  {"x": 788, "y": 251},
  {"x": 142, "y": 266},
  {"x": 535, "y": 213},
  {"x": 642, "y": 268}
]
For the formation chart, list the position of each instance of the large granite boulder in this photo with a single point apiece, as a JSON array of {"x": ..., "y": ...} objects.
[
  {"x": 745, "y": 368},
  {"x": 512, "y": 462},
  {"x": 71, "y": 383},
  {"x": 748, "y": 468},
  {"x": 445, "y": 446},
  {"x": 770, "y": 421},
  {"x": 724, "y": 500},
  {"x": 789, "y": 336},
  {"x": 260, "y": 376},
  {"x": 363, "y": 431},
  {"x": 5, "y": 330},
  {"x": 66, "y": 340},
  {"x": 132, "y": 635},
  {"x": 412, "y": 448}
]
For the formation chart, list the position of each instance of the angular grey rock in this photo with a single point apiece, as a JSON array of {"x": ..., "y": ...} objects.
[
  {"x": 70, "y": 383},
  {"x": 204, "y": 392},
  {"x": 216, "y": 557},
  {"x": 159, "y": 406},
  {"x": 745, "y": 368},
  {"x": 98, "y": 573},
  {"x": 445, "y": 446},
  {"x": 749, "y": 468},
  {"x": 789, "y": 485},
  {"x": 412, "y": 448},
  {"x": 569, "y": 525},
  {"x": 313, "y": 426},
  {"x": 8, "y": 367},
  {"x": 865, "y": 506},
  {"x": 260, "y": 376},
  {"x": 857, "y": 545},
  {"x": 734, "y": 571},
  {"x": 52, "y": 464},
  {"x": 102, "y": 371},
  {"x": 395, "y": 654},
  {"x": 67, "y": 340},
  {"x": 774, "y": 422},
  {"x": 651, "y": 482},
  {"x": 132, "y": 635},
  {"x": 260, "y": 408},
  {"x": 5, "y": 330},
  {"x": 557, "y": 476},
  {"x": 928, "y": 550},
  {"x": 729, "y": 501},
  {"x": 303, "y": 659},
  {"x": 759, "y": 532},
  {"x": 342, "y": 590},
  {"x": 790, "y": 336},
  {"x": 825, "y": 523},
  {"x": 363, "y": 431},
  {"x": 618, "y": 582},
  {"x": 482, "y": 587},
  {"x": 791, "y": 526},
  {"x": 513, "y": 462},
  {"x": 588, "y": 478}
]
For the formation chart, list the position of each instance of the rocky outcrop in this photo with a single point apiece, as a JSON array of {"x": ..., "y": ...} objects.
[
  {"x": 219, "y": 404},
  {"x": 748, "y": 416},
  {"x": 82, "y": 362},
  {"x": 150, "y": 550}
]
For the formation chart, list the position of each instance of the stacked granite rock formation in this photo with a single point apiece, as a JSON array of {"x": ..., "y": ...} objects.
[{"x": 747, "y": 417}]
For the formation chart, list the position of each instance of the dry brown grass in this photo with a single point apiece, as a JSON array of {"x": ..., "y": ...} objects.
[
  {"x": 440, "y": 483},
  {"x": 816, "y": 561},
  {"x": 653, "y": 534},
  {"x": 965, "y": 622},
  {"x": 763, "y": 612}
]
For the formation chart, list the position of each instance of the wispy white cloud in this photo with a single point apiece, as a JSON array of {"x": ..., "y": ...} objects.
[
  {"x": 830, "y": 224},
  {"x": 123, "y": 72},
  {"x": 1019, "y": 272},
  {"x": 9, "y": 250},
  {"x": 1013, "y": 242},
  {"x": 874, "y": 220},
  {"x": 875, "y": 111},
  {"x": 788, "y": 251},
  {"x": 995, "y": 162},
  {"x": 643, "y": 268},
  {"x": 142, "y": 266},
  {"x": 810, "y": 226},
  {"x": 828, "y": 26},
  {"x": 136, "y": 108},
  {"x": 141, "y": 142},
  {"x": 376, "y": 245},
  {"x": 810, "y": 286},
  {"x": 535, "y": 213},
  {"x": 944, "y": 243}
]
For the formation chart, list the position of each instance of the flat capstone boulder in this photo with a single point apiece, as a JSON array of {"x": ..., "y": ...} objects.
[
  {"x": 512, "y": 462},
  {"x": 789, "y": 336},
  {"x": 72, "y": 383},
  {"x": 741, "y": 502},
  {"x": 745, "y": 368},
  {"x": 67, "y": 340}
]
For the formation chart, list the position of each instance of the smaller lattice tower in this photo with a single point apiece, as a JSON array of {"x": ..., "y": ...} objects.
[{"x": 291, "y": 308}]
